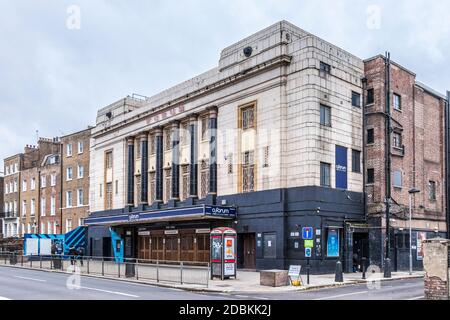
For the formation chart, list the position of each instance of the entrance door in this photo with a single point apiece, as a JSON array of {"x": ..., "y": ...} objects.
[
  {"x": 249, "y": 251},
  {"x": 157, "y": 248},
  {"x": 203, "y": 249},
  {"x": 172, "y": 248},
  {"x": 360, "y": 250},
  {"x": 187, "y": 247},
  {"x": 144, "y": 247}
]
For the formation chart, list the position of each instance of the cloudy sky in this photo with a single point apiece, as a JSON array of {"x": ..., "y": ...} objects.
[{"x": 56, "y": 70}]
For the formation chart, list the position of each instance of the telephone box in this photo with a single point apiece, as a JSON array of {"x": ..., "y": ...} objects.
[{"x": 223, "y": 253}]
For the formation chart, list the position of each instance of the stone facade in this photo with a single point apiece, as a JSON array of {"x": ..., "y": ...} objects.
[
  {"x": 417, "y": 161},
  {"x": 77, "y": 186},
  {"x": 11, "y": 196},
  {"x": 282, "y": 108}
]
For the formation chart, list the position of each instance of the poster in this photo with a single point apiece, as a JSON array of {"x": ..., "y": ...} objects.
[
  {"x": 216, "y": 248},
  {"x": 421, "y": 236},
  {"x": 228, "y": 269},
  {"x": 333, "y": 243},
  {"x": 229, "y": 249}
]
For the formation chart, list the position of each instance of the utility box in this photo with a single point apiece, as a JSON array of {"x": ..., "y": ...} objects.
[
  {"x": 436, "y": 264},
  {"x": 223, "y": 253}
]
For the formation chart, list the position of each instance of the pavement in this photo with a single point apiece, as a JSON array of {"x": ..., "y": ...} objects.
[
  {"x": 249, "y": 282},
  {"x": 27, "y": 284}
]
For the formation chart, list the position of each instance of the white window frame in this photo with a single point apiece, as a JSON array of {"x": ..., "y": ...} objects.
[
  {"x": 80, "y": 176},
  {"x": 80, "y": 147},
  {"x": 80, "y": 191},
  {"x": 53, "y": 205},
  {"x": 24, "y": 185},
  {"x": 43, "y": 181},
  {"x": 69, "y": 177},
  {"x": 53, "y": 179},
  {"x": 69, "y": 204},
  {"x": 69, "y": 150}
]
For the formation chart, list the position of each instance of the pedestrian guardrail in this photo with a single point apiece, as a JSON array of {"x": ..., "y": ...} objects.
[{"x": 145, "y": 270}]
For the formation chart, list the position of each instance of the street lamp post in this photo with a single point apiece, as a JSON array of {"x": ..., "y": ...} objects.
[{"x": 411, "y": 193}]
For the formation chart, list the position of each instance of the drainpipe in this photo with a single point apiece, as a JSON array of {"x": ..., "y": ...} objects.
[
  {"x": 61, "y": 191},
  {"x": 387, "y": 263},
  {"x": 364, "y": 142}
]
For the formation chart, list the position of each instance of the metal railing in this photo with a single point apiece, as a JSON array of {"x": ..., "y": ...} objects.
[{"x": 180, "y": 272}]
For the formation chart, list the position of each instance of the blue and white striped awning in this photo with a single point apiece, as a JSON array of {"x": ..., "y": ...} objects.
[{"x": 173, "y": 214}]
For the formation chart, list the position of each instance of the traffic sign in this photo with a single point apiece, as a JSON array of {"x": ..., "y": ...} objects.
[
  {"x": 307, "y": 233},
  {"x": 308, "y": 252},
  {"x": 309, "y": 243}
]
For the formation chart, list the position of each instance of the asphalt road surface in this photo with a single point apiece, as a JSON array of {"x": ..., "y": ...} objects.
[{"x": 23, "y": 284}]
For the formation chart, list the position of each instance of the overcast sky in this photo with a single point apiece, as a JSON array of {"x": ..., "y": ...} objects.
[{"x": 57, "y": 70}]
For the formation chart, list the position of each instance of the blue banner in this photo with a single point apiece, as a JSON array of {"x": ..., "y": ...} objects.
[{"x": 341, "y": 167}]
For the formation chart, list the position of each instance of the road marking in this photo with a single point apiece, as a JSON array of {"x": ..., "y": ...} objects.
[
  {"x": 107, "y": 291},
  {"x": 32, "y": 279},
  {"x": 241, "y": 296},
  {"x": 342, "y": 295},
  {"x": 417, "y": 298},
  {"x": 4, "y": 298}
]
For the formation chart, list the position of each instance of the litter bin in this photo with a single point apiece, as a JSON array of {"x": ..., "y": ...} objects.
[
  {"x": 13, "y": 259},
  {"x": 57, "y": 263},
  {"x": 130, "y": 270}
]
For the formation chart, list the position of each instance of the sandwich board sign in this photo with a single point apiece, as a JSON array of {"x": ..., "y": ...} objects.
[{"x": 294, "y": 273}]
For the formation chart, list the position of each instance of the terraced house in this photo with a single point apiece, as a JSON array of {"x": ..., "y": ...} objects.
[{"x": 267, "y": 142}]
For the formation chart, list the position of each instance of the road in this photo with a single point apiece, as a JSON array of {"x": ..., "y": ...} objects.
[{"x": 24, "y": 284}]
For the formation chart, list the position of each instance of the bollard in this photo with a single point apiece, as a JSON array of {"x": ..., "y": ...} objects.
[
  {"x": 181, "y": 270},
  {"x": 364, "y": 268},
  {"x": 308, "y": 267},
  {"x": 339, "y": 277},
  {"x": 387, "y": 268},
  {"x": 103, "y": 266}
]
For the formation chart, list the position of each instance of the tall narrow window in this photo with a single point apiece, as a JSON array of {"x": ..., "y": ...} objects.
[
  {"x": 266, "y": 157},
  {"x": 43, "y": 181},
  {"x": 69, "y": 173},
  {"x": 43, "y": 207},
  {"x": 53, "y": 179},
  {"x": 33, "y": 207},
  {"x": 185, "y": 181},
  {"x": 432, "y": 195},
  {"x": 325, "y": 180},
  {"x": 109, "y": 196},
  {"x": 80, "y": 197},
  {"x": 80, "y": 147},
  {"x": 167, "y": 187},
  {"x": 370, "y": 176},
  {"x": 24, "y": 208},
  {"x": 69, "y": 202},
  {"x": 248, "y": 118},
  {"x": 184, "y": 133},
  {"x": 68, "y": 225},
  {"x": 370, "y": 96},
  {"x": 167, "y": 140},
  {"x": 24, "y": 185},
  {"x": 356, "y": 161},
  {"x": 53, "y": 205},
  {"x": 397, "y": 102},
  {"x": 152, "y": 187},
  {"x": 69, "y": 150},
  {"x": 80, "y": 171},
  {"x": 325, "y": 115},
  {"x": 370, "y": 136},
  {"x": 204, "y": 177},
  {"x": 109, "y": 160},
  {"x": 204, "y": 128},
  {"x": 248, "y": 172}
]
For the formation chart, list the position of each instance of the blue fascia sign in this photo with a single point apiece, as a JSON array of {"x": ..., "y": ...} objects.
[
  {"x": 220, "y": 211},
  {"x": 134, "y": 217}
]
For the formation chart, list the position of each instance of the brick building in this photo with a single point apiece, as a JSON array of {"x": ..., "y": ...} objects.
[
  {"x": 417, "y": 158},
  {"x": 75, "y": 179},
  {"x": 50, "y": 194},
  {"x": 2, "y": 213},
  {"x": 29, "y": 199},
  {"x": 11, "y": 199}
]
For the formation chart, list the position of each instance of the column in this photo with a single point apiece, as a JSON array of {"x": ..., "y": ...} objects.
[
  {"x": 159, "y": 165},
  {"x": 213, "y": 151},
  {"x": 143, "y": 139},
  {"x": 193, "y": 166},
  {"x": 130, "y": 172},
  {"x": 175, "y": 161}
]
